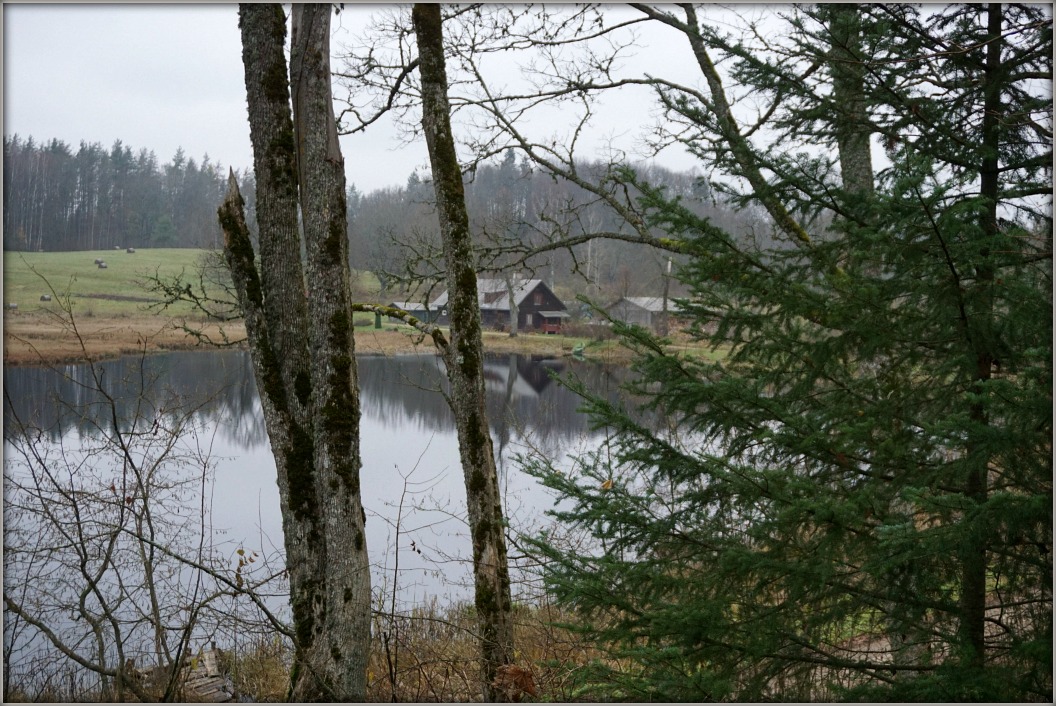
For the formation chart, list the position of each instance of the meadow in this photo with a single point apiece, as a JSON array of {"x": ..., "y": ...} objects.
[
  {"x": 119, "y": 290},
  {"x": 115, "y": 310},
  {"x": 122, "y": 289}
]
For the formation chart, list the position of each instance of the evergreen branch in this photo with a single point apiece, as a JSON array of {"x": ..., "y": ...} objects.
[{"x": 951, "y": 266}]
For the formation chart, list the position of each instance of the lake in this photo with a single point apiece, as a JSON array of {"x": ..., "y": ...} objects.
[{"x": 411, "y": 475}]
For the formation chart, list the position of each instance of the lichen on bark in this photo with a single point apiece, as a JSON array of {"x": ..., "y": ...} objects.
[
  {"x": 303, "y": 351},
  {"x": 464, "y": 358}
]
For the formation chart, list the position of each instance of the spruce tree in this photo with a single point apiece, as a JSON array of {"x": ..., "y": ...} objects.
[{"x": 853, "y": 500}]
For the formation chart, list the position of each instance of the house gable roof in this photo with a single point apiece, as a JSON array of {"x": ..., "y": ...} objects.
[
  {"x": 492, "y": 293},
  {"x": 408, "y": 306},
  {"x": 653, "y": 304}
]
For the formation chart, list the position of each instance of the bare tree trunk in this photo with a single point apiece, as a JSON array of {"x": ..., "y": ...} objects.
[
  {"x": 510, "y": 294},
  {"x": 308, "y": 394},
  {"x": 464, "y": 357},
  {"x": 335, "y": 386},
  {"x": 663, "y": 327}
]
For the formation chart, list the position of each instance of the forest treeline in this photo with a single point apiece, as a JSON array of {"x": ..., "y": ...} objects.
[
  {"x": 89, "y": 198},
  {"x": 519, "y": 217},
  {"x": 60, "y": 198}
]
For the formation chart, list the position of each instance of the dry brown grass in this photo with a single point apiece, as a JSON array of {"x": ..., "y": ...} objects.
[
  {"x": 43, "y": 337},
  {"x": 427, "y": 655},
  {"x": 262, "y": 670},
  {"x": 32, "y": 338},
  {"x": 431, "y": 654}
]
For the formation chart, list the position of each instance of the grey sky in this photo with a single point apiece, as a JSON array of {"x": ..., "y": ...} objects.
[
  {"x": 154, "y": 76},
  {"x": 167, "y": 76}
]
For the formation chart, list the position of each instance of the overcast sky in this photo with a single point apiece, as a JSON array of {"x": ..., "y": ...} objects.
[
  {"x": 154, "y": 76},
  {"x": 167, "y": 76}
]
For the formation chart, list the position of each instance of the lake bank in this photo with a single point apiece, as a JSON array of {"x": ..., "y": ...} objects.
[
  {"x": 116, "y": 313},
  {"x": 43, "y": 338}
]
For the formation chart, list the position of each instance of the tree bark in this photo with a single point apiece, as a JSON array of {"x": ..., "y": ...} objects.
[
  {"x": 663, "y": 326},
  {"x": 291, "y": 443},
  {"x": 511, "y": 295},
  {"x": 464, "y": 357},
  {"x": 982, "y": 338},
  {"x": 302, "y": 351},
  {"x": 848, "y": 96},
  {"x": 276, "y": 325},
  {"x": 335, "y": 386}
]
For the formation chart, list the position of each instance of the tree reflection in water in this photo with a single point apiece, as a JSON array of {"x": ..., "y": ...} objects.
[{"x": 408, "y": 443}]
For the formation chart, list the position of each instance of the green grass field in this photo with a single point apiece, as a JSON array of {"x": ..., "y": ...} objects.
[
  {"x": 27, "y": 275},
  {"x": 96, "y": 292},
  {"x": 120, "y": 291}
]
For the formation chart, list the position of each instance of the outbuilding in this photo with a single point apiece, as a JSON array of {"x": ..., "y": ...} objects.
[{"x": 644, "y": 311}]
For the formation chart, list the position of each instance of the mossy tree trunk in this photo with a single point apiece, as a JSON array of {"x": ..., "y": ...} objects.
[
  {"x": 464, "y": 357},
  {"x": 302, "y": 346},
  {"x": 335, "y": 385}
]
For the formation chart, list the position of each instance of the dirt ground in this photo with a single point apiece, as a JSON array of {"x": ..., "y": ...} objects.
[{"x": 39, "y": 338}]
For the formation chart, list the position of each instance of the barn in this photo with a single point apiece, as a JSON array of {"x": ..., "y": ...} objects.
[
  {"x": 644, "y": 311},
  {"x": 538, "y": 309}
]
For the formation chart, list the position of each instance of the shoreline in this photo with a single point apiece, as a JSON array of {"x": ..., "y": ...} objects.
[{"x": 45, "y": 339}]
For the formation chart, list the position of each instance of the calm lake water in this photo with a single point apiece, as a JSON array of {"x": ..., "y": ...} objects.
[{"x": 411, "y": 472}]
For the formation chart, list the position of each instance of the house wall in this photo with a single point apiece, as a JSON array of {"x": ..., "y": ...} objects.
[
  {"x": 541, "y": 299},
  {"x": 631, "y": 313},
  {"x": 494, "y": 318},
  {"x": 528, "y": 319}
]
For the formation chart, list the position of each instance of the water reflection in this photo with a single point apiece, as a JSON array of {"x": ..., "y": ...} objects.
[
  {"x": 409, "y": 447},
  {"x": 523, "y": 399},
  {"x": 61, "y": 399},
  {"x": 412, "y": 482},
  {"x": 402, "y": 392}
]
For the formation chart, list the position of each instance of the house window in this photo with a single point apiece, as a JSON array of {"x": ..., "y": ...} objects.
[{"x": 538, "y": 298}]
